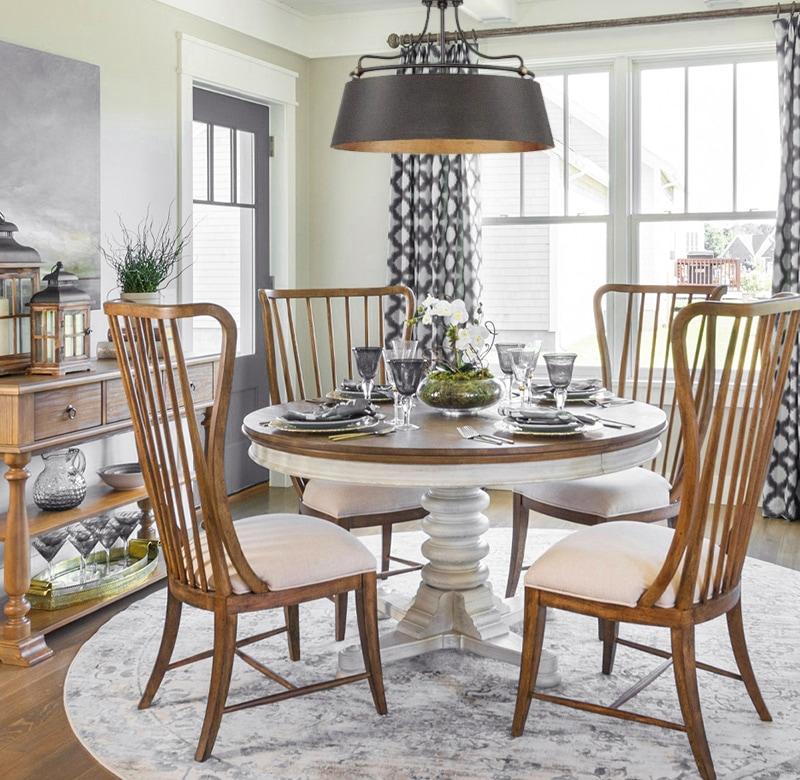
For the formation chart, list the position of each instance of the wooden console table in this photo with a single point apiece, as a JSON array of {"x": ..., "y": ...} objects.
[{"x": 40, "y": 413}]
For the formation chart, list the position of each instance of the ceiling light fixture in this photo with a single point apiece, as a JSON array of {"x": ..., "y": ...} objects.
[{"x": 444, "y": 107}]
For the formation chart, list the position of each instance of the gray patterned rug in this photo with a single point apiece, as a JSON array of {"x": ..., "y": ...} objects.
[{"x": 449, "y": 714}]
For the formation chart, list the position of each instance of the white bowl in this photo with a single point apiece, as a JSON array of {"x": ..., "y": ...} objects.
[{"x": 122, "y": 476}]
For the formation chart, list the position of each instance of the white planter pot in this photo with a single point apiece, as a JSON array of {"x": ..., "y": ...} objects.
[{"x": 142, "y": 297}]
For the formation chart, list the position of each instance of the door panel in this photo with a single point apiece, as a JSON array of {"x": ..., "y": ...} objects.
[{"x": 231, "y": 250}]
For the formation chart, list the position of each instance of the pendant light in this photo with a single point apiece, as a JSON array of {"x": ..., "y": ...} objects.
[{"x": 444, "y": 107}]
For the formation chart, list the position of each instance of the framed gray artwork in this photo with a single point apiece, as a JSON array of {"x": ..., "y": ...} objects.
[{"x": 50, "y": 158}]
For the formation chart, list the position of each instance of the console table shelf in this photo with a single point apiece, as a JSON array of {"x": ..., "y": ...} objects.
[
  {"x": 40, "y": 413},
  {"x": 99, "y": 499}
]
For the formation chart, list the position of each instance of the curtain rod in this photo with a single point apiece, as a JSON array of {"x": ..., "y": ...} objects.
[{"x": 395, "y": 40}]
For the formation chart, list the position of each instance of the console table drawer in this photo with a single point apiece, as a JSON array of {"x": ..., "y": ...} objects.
[
  {"x": 201, "y": 382},
  {"x": 57, "y": 412},
  {"x": 116, "y": 402}
]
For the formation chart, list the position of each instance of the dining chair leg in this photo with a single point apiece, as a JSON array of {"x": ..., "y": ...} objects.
[
  {"x": 685, "y": 667},
  {"x": 292, "y": 615},
  {"x": 172, "y": 622},
  {"x": 386, "y": 547},
  {"x": 367, "y": 613},
  {"x": 739, "y": 645},
  {"x": 519, "y": 533},
  {"x": 532, "y": 640},
  {"x": 340, "y": 615},
  {"x": 221, "y": 668},
  {"x": 609, "y": 630}
]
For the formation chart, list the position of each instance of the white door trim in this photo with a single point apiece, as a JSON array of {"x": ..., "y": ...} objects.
[{"x": 214, "y": 67}]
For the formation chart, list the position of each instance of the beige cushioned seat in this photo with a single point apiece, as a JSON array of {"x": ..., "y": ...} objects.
[
  {"x": 340, "y": 499},
  {"x": 612, "y": 562},
  {"x": 609, "y": 495},
  {"x": 291, "y": 551}
]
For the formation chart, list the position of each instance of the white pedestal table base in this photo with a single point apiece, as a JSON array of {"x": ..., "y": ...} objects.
[{"x": 454, "y": 607}]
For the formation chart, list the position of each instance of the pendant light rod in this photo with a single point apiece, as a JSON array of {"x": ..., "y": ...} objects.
[{"x": 396, "y": 40}]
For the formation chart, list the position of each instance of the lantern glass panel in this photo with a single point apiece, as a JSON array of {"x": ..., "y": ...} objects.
[
  {"x": 69, "y": 324},
  {"x": 6, "y": 323},
  {"x": 23, "y": 334},
  {"x": 50, "y": 323}
]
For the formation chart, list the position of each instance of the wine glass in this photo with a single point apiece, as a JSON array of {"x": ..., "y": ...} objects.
[
  {"x": 506, "y": 364},
  {"x": 108, "y": 536},
  {"x": 127, "y": 522},
  {"x": 523, "y": 365},
  {"x": 48, "y": 546},
  {"x": 83, "y": 539},
  {"x": 407, "y": 374},
  {"x": 559, "y": 369},
  {"x": 400, "y": 350},
  {"x": 367, "y": 361},
  {"x": 96, "y": 526}
]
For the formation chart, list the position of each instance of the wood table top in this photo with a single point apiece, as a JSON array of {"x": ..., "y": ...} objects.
[{"x": 438, "y": 442}]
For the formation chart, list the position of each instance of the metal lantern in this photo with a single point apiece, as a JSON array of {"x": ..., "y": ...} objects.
[
  {"x": 19, "y": 280},
  {"x": 60, "y": 325}
]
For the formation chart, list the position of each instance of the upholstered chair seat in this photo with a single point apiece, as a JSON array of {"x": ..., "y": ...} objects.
[
  {"x": 294, "y": 551},
  {"x": 613, "y": 563},
  {"x": 608, "y": 496},
  {"x": 342, "y": 500}
]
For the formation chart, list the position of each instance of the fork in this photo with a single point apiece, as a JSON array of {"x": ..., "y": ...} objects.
[
  {"x": 468, "y": 432},
  {"x": 348, "y": 436}
]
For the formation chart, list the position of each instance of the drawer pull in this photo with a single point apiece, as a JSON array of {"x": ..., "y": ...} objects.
[
  {"x": 192, "y": 386},
  {"x": 71, "y": 412}
]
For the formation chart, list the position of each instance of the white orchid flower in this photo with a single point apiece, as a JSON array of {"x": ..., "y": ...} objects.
[
  {"x": 478, "y": 335},
  {"x": 442, "y": 309},
  {"x": 458, "y": 313},
  {"x": 427, "y": 317},
  {"x": 462, "y": 340},
  {"x": 429, "y": 301}
]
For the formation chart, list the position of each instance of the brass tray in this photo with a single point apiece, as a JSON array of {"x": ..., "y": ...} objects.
[{"x": 50, "y": 595}]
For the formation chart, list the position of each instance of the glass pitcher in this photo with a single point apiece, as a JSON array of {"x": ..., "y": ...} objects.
[{"x": 61, "y": 485}]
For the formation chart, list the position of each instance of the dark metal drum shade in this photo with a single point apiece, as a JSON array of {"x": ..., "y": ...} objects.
[{"x": 442, "y": 114}]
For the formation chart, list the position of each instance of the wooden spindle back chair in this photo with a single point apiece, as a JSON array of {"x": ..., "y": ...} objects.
[
  {"x": 309, "y": 336},
  {"x": 728, "y": 428},
  {"x": 185, "y": 478},
  {"x": 641, "y": 369}
]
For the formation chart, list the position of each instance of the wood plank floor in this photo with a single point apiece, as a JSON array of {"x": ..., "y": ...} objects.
[{"x": 36, "y": 741}]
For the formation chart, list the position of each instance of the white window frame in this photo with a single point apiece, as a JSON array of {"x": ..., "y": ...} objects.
[{"x": 623, "y": 220}]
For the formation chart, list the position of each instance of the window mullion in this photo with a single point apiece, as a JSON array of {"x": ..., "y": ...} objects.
[
  {"x": 686, "y": 140},
  {"x": 734, "y": 168},
  {"x": 565, "y": 101},
  {"x": 521, "y": 184}
]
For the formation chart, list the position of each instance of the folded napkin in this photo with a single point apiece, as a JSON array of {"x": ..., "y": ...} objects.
[
  {"x": 349, "y": 410},
  {"x": 354, "y": 386},
  {"x": 541, "y": 417},
  {"x": 584, "y": 386}
]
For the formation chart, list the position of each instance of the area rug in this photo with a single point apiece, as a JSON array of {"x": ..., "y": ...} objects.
[{"x": 449, "y": 714}]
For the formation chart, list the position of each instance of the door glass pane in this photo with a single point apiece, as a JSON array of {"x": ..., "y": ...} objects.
[
  {"x": 222, "y": 164},
  {"x": 245, "y": 167},
  {"x": 588, "y": 98},
  {"x": 223, "y": 246},
  {"x": 758, "y": 136},
  {"x": 736, "y": 253},
  {"x": 662, "y": 153},
  {"x": 199, "y": 161},
  {"x": 711, "y": 138},
  {"x": 544, "y": 171}
]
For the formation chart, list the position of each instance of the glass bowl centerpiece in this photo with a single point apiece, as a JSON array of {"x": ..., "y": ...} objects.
[{"x": 459, "y": 382}]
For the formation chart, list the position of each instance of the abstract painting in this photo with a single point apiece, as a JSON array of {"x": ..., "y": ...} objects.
[{"x": 50, "y": 158}]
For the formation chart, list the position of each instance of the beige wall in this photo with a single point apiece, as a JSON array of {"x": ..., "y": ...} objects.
[{"x": 349, "y": 195}]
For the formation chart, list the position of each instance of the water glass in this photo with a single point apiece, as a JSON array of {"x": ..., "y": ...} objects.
[
  {"x": 506, "y": 364},
  {"x": 404, "y": 349},
  {"x": 48, "y": 546},
  {"x": 400, "y": 350},
  {"x": 367, "y": 361},
  {"x": 523, "y": 365},
  {"x": 559, "y": 369},
  {"x": 407, "y": 375}
]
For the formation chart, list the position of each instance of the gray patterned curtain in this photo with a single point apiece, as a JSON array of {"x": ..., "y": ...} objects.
[
  {"x": 434, "y": 222},
  {"x": 782, "y": 490}
]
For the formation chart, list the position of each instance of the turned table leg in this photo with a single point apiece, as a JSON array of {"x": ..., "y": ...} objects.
[
  {"x": 147, "y": 529},
  {"x": 17, "y": 646}
]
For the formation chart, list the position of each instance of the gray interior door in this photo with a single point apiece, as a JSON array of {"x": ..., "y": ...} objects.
[{"x": 231, "y": 148}]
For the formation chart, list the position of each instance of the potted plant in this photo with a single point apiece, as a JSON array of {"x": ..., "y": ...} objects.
[
  {"x": 459, "y": 382},
  {"x": 146, "y": 259}
]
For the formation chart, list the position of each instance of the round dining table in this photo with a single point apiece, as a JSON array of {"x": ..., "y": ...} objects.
[{"x": 455, "y": 607}]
